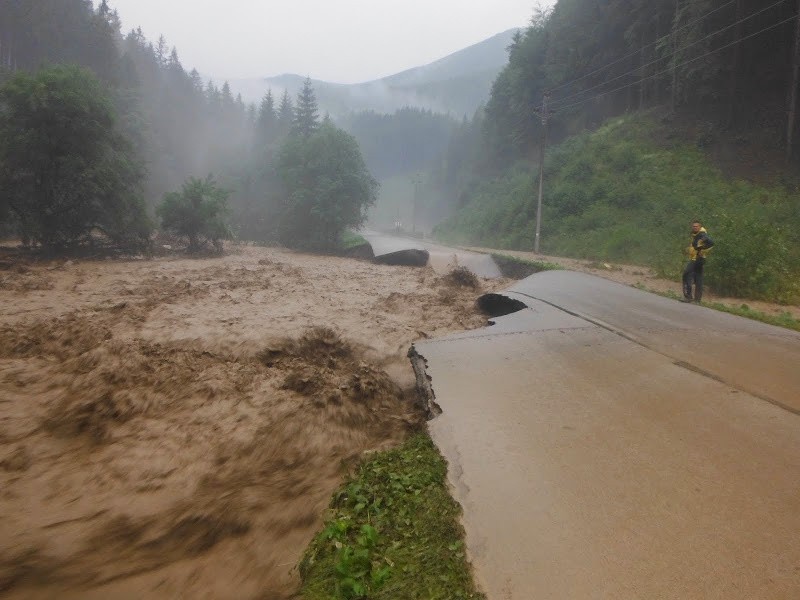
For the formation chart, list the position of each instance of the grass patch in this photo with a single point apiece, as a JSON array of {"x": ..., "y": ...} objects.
[
  {"x": 350, "y": 239},
  {"x": 519, "y": 268},
  {"x": 393, "y": 533},
  {"x": 785, "y": 319}
]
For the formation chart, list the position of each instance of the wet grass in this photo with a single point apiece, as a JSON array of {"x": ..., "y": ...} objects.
[
  {"x": 351, "y": 239},
  {"x": 393, "y": 533},
  {"x": 784, "y": 319}
]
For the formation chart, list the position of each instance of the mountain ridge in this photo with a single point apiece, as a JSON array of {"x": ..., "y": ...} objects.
[{"x": 457, "y": 84}]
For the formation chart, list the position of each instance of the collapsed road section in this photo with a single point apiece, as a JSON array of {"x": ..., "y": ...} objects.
[
  {"x": 590, "y": 462},
  {"x": 389, "y": 249}
]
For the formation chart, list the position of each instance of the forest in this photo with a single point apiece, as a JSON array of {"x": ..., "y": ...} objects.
[
  {"x": 698, "y": 101},
  {"x": 165, "y": 131},
  {"x": 656, "y": 113}
]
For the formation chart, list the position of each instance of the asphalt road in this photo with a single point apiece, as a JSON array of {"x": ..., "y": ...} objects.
[
  {"x": 442, "y": 258},
  {"x": 609, "y": 443}
]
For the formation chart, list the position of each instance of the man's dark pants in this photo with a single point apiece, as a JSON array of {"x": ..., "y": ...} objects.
[{"x": 693, "y": 273}]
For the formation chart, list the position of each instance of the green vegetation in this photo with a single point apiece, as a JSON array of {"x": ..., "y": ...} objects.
[
  {"x": 328, "y": 188},
  {"x": 197, "y": 212},
  {"x": 520, "y": 268},
  {"x": 350, "y": 239},
  {"x": 66, "y": 169},
  {"x": 626, "y": 193},
  {"x": 696, "y": 95},
  {"x": 393, "y": 533},
  {"x": 784, "y": 319}
]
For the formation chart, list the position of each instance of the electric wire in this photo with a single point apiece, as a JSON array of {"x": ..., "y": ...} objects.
[
  {"x": 563, "y": 108},
  {"x": 635, "y": 52},
  {"x": 676, "y": 53}
]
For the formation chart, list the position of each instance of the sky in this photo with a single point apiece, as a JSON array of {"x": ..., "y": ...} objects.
[{"x": 341, "y": 41}]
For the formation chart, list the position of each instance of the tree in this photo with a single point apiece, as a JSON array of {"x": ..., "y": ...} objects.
[
  {"x": 197, "y": 212},
  {"x": 267, "y": 121},
  {"x": 65, "y": 168},
  {"x": 328, "y": 188},
  {"x": 306, "y": 114},
  {"x": 285, "y": 114}
]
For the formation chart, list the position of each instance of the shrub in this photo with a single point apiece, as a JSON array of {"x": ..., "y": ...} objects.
[{"x": 197, "y": 212}]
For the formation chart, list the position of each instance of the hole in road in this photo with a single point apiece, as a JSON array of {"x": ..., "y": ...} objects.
[
  {"x": 405, "y": 258},
  {"x": 497, "y": 305}
]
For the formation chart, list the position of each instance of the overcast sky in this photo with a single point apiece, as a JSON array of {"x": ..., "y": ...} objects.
[{"x": 343, "y": 41}]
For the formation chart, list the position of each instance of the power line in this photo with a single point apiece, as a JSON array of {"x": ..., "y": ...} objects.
[
  {"x": 676, "y": 53},
  {"x": 634, "y": 53},
  {"x": 563, "y": 108}
]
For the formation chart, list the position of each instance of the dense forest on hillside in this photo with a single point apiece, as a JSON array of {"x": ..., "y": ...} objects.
[
  {"x": 714, "y": 85},
  {"x": 176, "y": 127},
  {"x": 724, "y": 60}
]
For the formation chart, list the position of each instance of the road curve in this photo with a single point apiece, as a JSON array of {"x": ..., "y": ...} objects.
[{"x": 608, "y": 443}]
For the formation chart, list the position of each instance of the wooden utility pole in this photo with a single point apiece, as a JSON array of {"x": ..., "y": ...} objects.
[
  {"x": 545, "y": 98},
  {"x": 793, "y": 82}
]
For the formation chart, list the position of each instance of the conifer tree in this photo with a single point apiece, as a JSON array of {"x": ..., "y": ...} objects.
[
  {"x": 266, "y": 125},
  {"x": 285, "y": 114},
  {"x": 306, "y": 117}
]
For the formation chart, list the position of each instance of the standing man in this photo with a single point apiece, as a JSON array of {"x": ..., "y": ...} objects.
[{"x": 701, "y": 243}]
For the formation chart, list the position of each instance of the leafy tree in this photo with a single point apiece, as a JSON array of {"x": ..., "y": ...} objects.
[
  {"x": 328, "y": 188},
  {"x": 306, "y": 114},
  {"x": 65, "y": 168},
  {"x": 197, "y": 212}
]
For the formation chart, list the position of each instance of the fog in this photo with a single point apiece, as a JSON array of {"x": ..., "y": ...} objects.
[{"x": 350, "y": 41}]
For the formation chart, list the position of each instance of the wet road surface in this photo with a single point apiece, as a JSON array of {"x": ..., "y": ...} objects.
[
  {"x": 442, "y": 258},
  {"x": 608, "y": 443}
]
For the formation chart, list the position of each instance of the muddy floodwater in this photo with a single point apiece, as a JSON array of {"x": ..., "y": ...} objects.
[{"x": 175, "y": 427}]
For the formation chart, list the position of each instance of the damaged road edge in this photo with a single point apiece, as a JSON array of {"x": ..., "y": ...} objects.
[{"x": 425, "y": 394}]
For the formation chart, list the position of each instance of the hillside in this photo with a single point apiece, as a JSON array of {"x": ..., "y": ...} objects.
[
  {"x": 455, "y": 84},
  {"x": 627, "y": 192}
]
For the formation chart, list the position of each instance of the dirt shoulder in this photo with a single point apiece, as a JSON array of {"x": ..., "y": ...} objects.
[
  {"x": 645, "y": 278},
  {"x": 175, "y": 427}
]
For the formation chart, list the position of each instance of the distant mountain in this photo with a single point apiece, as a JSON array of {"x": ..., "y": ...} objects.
[{"x": 456, "y": 84}]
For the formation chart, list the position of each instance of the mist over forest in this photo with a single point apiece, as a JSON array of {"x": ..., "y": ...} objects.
[
  {"x": 223, "y": 304},
  {"x": 704, "y": 84}
]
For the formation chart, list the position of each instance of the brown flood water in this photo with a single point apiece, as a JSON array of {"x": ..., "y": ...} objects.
[{"x": 175, "y": 428}]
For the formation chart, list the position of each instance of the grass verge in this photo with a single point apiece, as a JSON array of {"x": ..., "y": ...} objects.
[
  {"x": 784, "y": 319},
  {"x": 393, "y": 533},
  {"x": 350, "y": 239}
]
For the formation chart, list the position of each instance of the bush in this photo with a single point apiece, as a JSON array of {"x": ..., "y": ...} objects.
[{"x": 197, "y": 212}]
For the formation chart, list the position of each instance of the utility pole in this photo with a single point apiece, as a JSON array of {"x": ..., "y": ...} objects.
[
  {"x": 544, "y": 115},
  {"x": 793, "y": 81}
]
